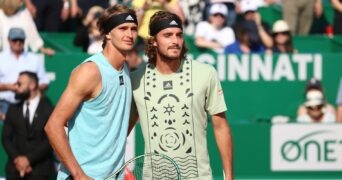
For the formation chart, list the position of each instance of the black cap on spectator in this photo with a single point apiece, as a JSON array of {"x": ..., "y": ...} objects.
[{"x": 314, "y": 83}]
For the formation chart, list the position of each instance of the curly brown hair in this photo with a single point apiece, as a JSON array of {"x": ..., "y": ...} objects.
[
  {"x": 150, "y": 50},
  {"x": 107, "y": 14}
]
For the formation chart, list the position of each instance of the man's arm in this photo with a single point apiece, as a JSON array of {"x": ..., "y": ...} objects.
[
  {"x": 134, "y": 116},
  {"x": 203, "y": 43},
  {"x": 31, "y": 7},
  {"x": 224, "y": 143},
  {"x": 339, "y": 114},
  {"x": 337, "y": 5},
  {"x": 265, "y": 37},
  {"x": 7, "y": 87},
  {"x": 84, "y": 83}
]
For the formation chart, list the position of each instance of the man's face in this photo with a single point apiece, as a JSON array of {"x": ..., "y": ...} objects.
[
  {"x": 23, "y": 89},
  {"x": 123, "y": 36},
  {"x": 169, "y": 43},
  {"x": 315, "y": 112},
  {"x": 17, "y": 45},
  {"x": 217, "y": 20}
]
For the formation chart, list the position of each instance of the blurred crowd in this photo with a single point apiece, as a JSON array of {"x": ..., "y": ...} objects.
[{"x": 225, "y": 26}]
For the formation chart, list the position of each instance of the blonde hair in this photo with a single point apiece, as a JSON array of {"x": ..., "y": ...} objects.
[{"x": 10, "y": 7}]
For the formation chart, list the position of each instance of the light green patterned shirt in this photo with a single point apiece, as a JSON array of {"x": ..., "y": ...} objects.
[{"x": 173, "y": 111}]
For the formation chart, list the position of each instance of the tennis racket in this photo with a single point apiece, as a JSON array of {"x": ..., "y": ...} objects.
[{"x": 148, "y": 166}]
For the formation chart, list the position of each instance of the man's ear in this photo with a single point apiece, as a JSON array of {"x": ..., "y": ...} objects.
[
  {"x": 107, "y": 36},
  {"x": 33, "y": 86},
  {"x": 154, "y": 42}
]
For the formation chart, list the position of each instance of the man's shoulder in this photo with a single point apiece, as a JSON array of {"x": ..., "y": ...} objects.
[
  {"x": 201, "y": 65},
  {"x": 46, "y": 103}
]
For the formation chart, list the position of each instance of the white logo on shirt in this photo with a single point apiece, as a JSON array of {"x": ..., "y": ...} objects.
[{"x": 167, "y": 85}]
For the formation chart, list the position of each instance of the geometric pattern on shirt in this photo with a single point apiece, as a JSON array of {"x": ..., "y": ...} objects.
[{"x": 170, "y": 120}]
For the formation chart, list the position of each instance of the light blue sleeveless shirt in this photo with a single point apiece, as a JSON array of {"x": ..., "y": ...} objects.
[{"x": 98, "y": 130}]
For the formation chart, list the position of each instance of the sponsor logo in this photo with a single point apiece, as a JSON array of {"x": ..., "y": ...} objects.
[
  {"x": 167, "y": 85},
  {"x": 174, "y": 23},
  {"x": 129, "y": 18},
  {"x": 311, "y": 147},
  {"x": 121, "y": 80}
]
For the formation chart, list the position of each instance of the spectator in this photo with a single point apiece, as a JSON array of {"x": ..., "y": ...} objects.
[
  {"x": 337, "y": 4},
  {"x": 193, "y": 14},
  {"x": 315, "y": 108},
  {"x": 13, "y": 15},
  {"x": 282, "y": 39},
  {"x": 146, "y": 8},
  {"x": 230, "y": 4},
  {"x": 15, "y": 60},
  {"x": 299, "y": 14},
  {"x": 213, "y": 33},
  {"x": 243, "y": 45},
  {"x": 46, "y": 14},
  {"x": 339, "y": 103},
  {"x": 258, "y": 31},
  {"x": 77, "y": 11},
  {"x": 88, "y": 36},
  {"x": 30, "y": 155}
]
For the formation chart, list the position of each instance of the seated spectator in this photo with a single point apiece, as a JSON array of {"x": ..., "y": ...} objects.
[
  {"x": 88, "y": 36},
  {"x": 213, "y": 34},
  {"x": 231, "y": 6},
  {"x": 315, "y": 108},
  {"x": 337, "y": 23},
  {"x": 13, "y": 15},
  {"x": 30, "y": 155},
  {"x": 339, "y": 102},
  {"x": 243, "y": 45},
  {"x": 258, "y": 30},
  {"x": 14, "y": 61},
  {"x": 282, "y": 39}
]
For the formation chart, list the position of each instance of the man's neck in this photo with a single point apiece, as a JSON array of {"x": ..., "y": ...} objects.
[
  {"x": 114, "y": 57},
  {"x": 34, "y": 95},
  {"x": 168, "y": 66},
  {"x": 16, "y": 54}
]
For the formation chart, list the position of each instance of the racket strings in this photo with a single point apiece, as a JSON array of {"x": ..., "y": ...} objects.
[{"x": 154, "y": 168}]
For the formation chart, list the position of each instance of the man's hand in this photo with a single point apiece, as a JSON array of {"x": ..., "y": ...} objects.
[
  {"x": 47, "y": 51},
  {"x": 2, "y": 116},
  {"x": 22, "y": 164}
]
